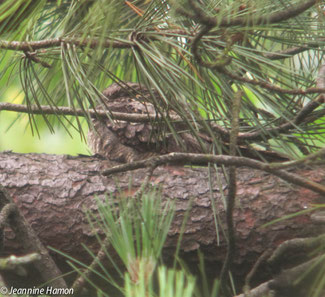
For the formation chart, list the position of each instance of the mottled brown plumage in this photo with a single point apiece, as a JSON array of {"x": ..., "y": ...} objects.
[{"x": 126, "y": 141}]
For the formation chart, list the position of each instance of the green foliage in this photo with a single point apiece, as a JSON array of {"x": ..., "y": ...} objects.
[
  {"x": 175, "y": 283},
  {"x": 162, "y": 56},
  {"x": 136, "y": 230},
  {"x": 197, "y": 55},
  {"x": 15, "y": 17},
  {"x": 170, "y": 282}
]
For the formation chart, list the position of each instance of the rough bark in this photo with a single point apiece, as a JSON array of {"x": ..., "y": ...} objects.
[{"x": 54, "y": 192}]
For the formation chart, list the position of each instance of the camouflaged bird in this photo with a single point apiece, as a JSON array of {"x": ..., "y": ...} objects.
[{"x": 126, "y": 142}]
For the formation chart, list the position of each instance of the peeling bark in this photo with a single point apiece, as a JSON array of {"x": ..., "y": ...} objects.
[{"x": 53, "y": 192}]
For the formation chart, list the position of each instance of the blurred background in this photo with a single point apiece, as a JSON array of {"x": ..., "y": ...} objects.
[{"x": 17, "y": 135}]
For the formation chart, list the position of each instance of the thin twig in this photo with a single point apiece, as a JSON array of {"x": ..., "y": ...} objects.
[
  {"x": 231, "y": 196},
  {"x": 6, "y": 211},
  {"x": 199, "y": 15},
  {"x": 287, "y": 278},
  {"x": 292, "y": 246},
  {"x": 221, "y": 61},
  {"x": 81, "y": 282},
  {"x": 31, "y": 46},
  {"x": 306, "y": 160},
  {"x": 145, "y": 118},
  {"x": 289, "y": 52},
  {"x": 204, "y": 159},
  {"x": 303, "y": 116},
  {"x": 60, "y": 110},
  {"x": 260, "y": 291},
  {"x": 138, "y": 194},
  {"x": 252, "y": 272},
  {"x": 12, "y": 262},
  {"x": 272, "y": 87},
  {"x": 33, "y": 56}
]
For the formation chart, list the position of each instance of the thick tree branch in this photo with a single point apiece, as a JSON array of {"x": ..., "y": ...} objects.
[{"x": 54, "y": 192}]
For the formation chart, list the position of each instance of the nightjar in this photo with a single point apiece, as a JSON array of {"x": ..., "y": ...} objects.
[{"x": 125, "y": 141}]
